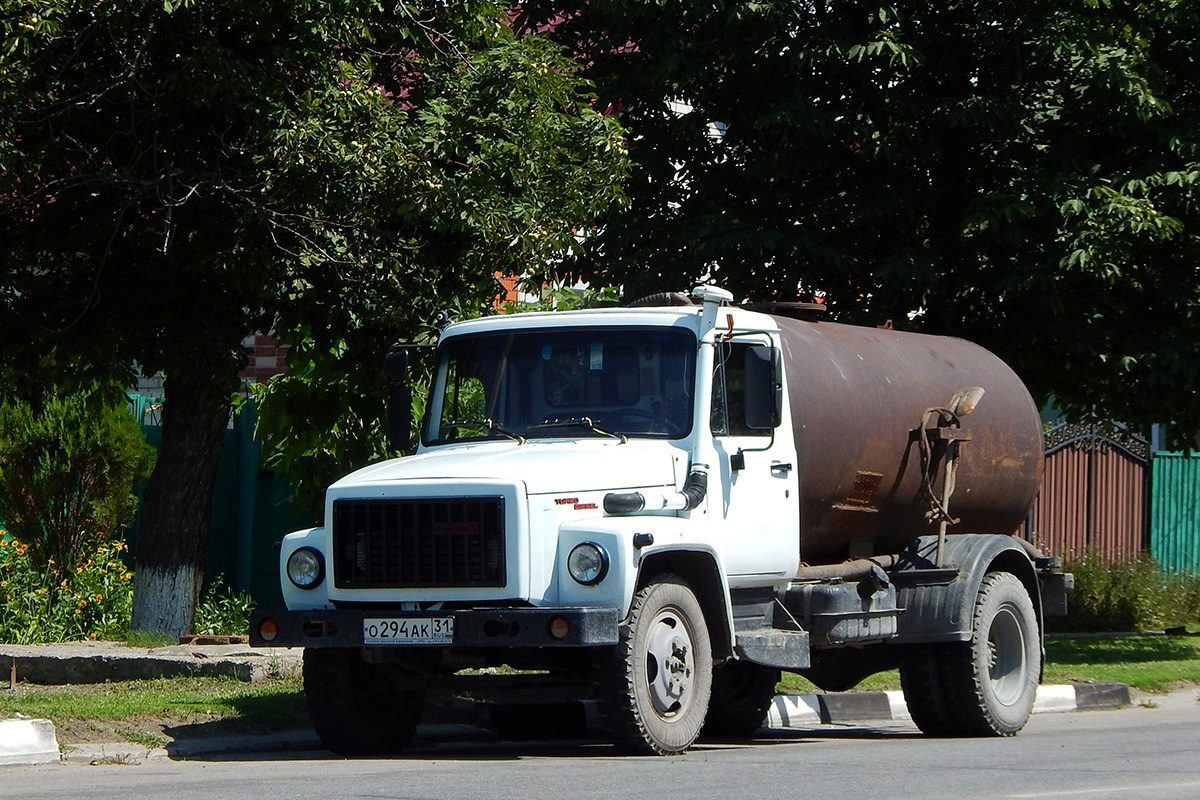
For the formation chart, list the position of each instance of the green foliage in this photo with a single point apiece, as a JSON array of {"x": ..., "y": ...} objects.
[
  {"x": 47, "y": 603},
  {"x": 175, "y": 175},
  {"x": 93, "y": 600},
  {"x": 559, "y": 296},
  {"x": 223, "y": 611},
  {"x": 68, "y": 469},
  {"x": 1025, "y": 175},
  {"x": 1128, "y": 596}
]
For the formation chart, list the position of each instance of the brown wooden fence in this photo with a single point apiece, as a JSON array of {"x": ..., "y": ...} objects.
[{"x": 1094, "y": 493}]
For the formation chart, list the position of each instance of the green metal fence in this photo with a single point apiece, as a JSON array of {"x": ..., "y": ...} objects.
[
  {"x": 1175, "y": 511},
  {"x": 252, "y": 508}
]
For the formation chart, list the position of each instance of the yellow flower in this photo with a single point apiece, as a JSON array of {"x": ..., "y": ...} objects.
[
  {"x": 50, "y": 561},
  {"x": 92, "y": 637},
  {"x": 82, "y": 603},
  {"x": 79, "y": 611},
  {"x": 127, "y": 576},
  {"x": 3, "y": 542},
  {"x": 99, "y": 598},
  {"x": 3, "y": 584},
  {"x": 43, "y": 591},
  {"x": 8, "y": 597}
]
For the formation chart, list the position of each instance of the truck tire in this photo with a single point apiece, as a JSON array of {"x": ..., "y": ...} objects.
[
  {"x": 923, "y": 684},
  {"x": 987, "y": 686},
  {"x": 654, "y": 686},
  {"x": 741, "y": 693},
  {"x": 355, "y": 707}
]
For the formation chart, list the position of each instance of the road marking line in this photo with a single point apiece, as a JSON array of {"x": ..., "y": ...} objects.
[{"x": 1104, "y": 789}]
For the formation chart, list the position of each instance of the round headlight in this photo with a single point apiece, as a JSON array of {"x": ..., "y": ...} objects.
[
  {"x": 306, "y": 568},
  {"x": 588, "y": 563}
]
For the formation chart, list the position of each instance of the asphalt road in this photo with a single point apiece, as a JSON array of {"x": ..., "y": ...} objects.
[{"x": 1100, "y": 755}]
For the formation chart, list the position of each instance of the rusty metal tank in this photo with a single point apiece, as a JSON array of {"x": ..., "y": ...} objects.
[{"x": 857, "y": 398}]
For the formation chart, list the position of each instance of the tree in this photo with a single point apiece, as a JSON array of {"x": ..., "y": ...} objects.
[
  {"x": 1023, "y": 174},
  {"x": 68, "y": 470},
  {"x": 175, "y": 175}
]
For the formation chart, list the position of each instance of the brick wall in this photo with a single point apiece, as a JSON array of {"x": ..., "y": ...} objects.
[{"x": 264, "y": 358}]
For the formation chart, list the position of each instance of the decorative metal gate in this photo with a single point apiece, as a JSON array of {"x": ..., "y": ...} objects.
[{"x": 1095, "y": 492}]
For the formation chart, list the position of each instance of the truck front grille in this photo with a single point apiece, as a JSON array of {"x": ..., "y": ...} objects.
[{"x": 402, "y": 543}]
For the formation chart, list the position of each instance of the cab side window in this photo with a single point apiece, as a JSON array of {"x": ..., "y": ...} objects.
[{"x": 729, "y": 392}]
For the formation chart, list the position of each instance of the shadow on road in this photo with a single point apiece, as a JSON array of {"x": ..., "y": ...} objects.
[{"x": 483, "y": 746}]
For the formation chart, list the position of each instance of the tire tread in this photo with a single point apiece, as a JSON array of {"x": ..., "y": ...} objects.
[{"x": 615, "y": 681}]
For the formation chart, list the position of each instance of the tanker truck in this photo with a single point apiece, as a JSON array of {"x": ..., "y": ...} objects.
[{"x": 660, "y": 508}]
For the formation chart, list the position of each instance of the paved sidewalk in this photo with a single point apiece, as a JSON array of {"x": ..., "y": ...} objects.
[
  {"x": 28, "y": 741},
  {"x": 97, "y": 662}
]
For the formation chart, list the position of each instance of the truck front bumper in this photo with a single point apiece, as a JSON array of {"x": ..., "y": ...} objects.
[{"x": 479, "y": 627}]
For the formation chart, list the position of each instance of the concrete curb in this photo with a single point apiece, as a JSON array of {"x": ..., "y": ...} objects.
[
  {"x": 804, "y": 710},
  {"x": 28, "y": 741}
]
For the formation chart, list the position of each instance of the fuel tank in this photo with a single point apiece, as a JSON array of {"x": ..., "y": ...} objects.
[{"x": 857, "y": 399}]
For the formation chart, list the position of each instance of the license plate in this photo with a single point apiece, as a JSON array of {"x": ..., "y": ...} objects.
[{"x": 414, "y": 630}]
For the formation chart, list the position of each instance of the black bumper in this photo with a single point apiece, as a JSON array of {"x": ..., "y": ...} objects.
[{"x": 481, "y": 627}]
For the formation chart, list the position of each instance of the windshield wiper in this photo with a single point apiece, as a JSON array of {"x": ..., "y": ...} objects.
[
  {"x": 583, "y": 422},
  {"x": 490, "y": 424}
]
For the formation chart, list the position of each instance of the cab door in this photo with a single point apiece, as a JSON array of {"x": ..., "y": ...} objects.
[{"x": 760, "y": 533}]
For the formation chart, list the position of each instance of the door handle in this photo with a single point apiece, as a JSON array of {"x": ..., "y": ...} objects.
[{"x": 775, "y": 465}]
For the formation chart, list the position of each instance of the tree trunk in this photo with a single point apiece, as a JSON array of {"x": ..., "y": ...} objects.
[{"x": 178, "y": 502}]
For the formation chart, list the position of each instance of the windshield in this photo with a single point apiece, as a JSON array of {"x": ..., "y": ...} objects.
[{"x": 563, "y": 382}]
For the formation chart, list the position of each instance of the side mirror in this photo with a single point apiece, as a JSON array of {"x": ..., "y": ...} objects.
[
  {"x": 764, "y": 387},
  {"x": 399, "y": 398}
]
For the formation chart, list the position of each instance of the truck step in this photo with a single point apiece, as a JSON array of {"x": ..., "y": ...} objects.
[{"x": 772, "y": 647}]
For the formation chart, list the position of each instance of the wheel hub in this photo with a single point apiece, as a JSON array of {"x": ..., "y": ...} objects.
[
  {"x": 669, "y": 664},
  {"x": 1007, "y": 665}
]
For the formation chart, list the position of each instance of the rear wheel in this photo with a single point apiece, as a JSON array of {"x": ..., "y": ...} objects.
[
  {"x": 741, "y": 693},
  {"x": 1006, "y": 657},
  {"x": 923, "y": 683},
  {"x": 654, "y": 688},
  {"x": 986, "y": 686},
  {"x": 355, "y": 706}
]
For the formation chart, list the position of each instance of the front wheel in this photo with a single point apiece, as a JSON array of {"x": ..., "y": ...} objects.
[
  {"x": 355, "y": 706},
  {"x": 654, "y": 689}
]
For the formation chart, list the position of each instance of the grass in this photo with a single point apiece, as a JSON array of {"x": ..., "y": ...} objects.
[
  {"x": 1151, "y": 663},
  {"x": 149, "y": 640},
  {"x": 151, "y": 712},
  {"x": 151, "y": 741}
]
